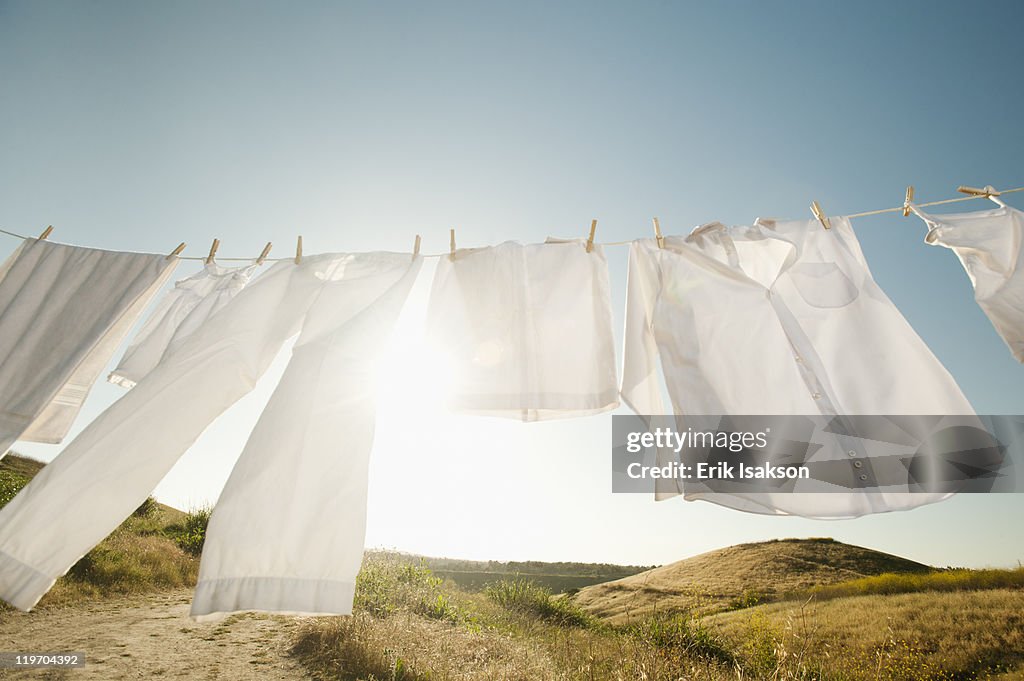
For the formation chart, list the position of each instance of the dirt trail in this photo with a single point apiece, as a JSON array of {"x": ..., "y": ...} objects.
[{"x": 143, "y": 637}]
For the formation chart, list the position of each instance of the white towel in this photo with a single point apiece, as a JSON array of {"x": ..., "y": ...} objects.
[{"x": 63, "y": 312}]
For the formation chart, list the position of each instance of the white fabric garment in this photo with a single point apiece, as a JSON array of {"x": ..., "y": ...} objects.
[
  {"x": 178, "y": 315},
  {"x": 341, "y": 303},
  {"x": 777, "y": 318},
  {"x": 288, "y": 531},
  {"x": 526, "y": 330},
  {"x": 989, "y": 243},
  {"x": 63, "y": 312}
]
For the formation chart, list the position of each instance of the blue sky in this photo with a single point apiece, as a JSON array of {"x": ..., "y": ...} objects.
[{"x": 139, "y": 125}]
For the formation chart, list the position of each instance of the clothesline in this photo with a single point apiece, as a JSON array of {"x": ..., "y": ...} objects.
[{"x": 974, "y": 194}]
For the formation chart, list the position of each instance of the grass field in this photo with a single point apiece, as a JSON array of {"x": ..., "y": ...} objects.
[
  {"x": 410, "y": 625},
  {"x": 807, "y": 609}
]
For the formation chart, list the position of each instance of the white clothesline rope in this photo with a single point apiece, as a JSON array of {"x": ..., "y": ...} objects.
[{"x": 868, "y": 213}]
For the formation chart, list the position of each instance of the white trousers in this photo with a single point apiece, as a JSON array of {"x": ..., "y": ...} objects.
[{"x": 318, "y": 426}]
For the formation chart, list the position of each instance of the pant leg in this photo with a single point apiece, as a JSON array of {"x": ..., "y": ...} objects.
[
  {"x": 110, "y": 468},
  {"x": 287, "y": 533}
]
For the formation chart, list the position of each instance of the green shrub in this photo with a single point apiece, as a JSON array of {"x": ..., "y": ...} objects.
[
  {"x": 387, "y": 584},
  {"x": 190, "y": 533},
  {"x": 10, "y": 484},
  {"x": 527, "y": 597},
  {"x": 148, "y": 509},
  {"x": 684, "y": 633},
  {"x": 748, "y": 599}
]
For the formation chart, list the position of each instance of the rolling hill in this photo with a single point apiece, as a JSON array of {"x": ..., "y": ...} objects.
[{"x": 740, "y": 575}]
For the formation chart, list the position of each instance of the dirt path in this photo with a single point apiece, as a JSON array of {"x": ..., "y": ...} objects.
[{"x": 151, "y": 636}]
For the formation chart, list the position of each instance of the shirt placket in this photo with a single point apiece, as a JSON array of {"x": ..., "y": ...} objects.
[{"x": 813, "y": 374}]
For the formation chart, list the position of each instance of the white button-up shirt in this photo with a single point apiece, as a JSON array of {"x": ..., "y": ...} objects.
[{"x": 776, "y": 318}]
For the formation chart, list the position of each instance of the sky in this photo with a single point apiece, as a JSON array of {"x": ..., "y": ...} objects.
[{"x": 136, "y": 126}]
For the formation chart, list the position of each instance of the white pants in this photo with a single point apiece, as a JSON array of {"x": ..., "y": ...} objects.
[
  {"x": 318, "y": 422},
  {"x": 63, "y": 312}
]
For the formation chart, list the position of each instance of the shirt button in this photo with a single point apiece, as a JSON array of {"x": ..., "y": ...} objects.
[
  {"x": 852, "y": 453},
  {"x": 863, "y": 477},
  {"x": 816, "y": 396},
  {"x": 799, "y": 358},
  {"x": 857, "y": 464}
]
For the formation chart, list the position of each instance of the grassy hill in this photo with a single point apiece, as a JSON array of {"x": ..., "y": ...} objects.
[
  {"x": 157, "y": 547},
  {"x": 961, "y": 634},
  {"x": 737, "y": 576},
  {"x": 409, "y": 624}
]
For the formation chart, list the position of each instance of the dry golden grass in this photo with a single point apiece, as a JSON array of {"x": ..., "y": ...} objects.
[
  {"x": 736, "y": 576},
  {"x": 407, "y": 646},
  {"x": 125, "y": 563},
  {"x": 904, "y": 637}
]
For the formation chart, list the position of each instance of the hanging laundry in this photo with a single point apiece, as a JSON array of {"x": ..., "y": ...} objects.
[
  {"x": 63, "y": 312},
  {"x": 295, "y": 546},
  {"x": 178, "y": 315},
  {"x": 989, "y": 244},
  {"x": 775, "y": 318},
  {"x": 526, "y": 330}
]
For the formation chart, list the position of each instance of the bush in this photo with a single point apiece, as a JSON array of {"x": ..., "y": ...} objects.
[
  {"x": 148, "y": 509},
  {"x": 527, "y": 597},
  {"x": 190, "y": 533},
  {"x": 387, "y": 584},
  {"x": 10, "y": 484},
  {"x": 684, "y": 633}
]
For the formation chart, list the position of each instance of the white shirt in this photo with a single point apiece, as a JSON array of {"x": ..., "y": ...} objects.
[
  {"x": 179, "y": 314},
  {"x": 775, "y": 318},
  {"x": 526, "y": 331},
  {"x": 989, "y": 243}
]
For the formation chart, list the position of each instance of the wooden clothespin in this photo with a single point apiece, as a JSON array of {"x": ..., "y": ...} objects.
[
  {"x": 907, "y": 200},
  {"x": 298, "y": 251},
  {"x": 213, "y": 251},
  {"x": 657, "y": 234},
  {"x": 986, "y": 191},
  {"x": 451, "y": 244},
  {"x": 176, "y": 251},
  {"x": 264, "y": 254},
  {"x": 820, "y": 215},
  {"x": 590, "y": 239},
  {"x": 46, "y": 232},
  {"x": 416, "y": 247}
]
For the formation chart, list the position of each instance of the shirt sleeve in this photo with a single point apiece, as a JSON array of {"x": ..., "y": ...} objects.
[{"x": 640, "y": 388}]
